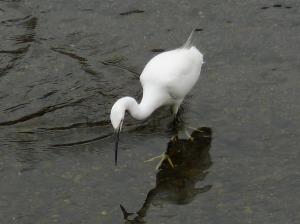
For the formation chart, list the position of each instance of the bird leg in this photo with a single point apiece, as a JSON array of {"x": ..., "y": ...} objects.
[
  {"x": 185, "y": 127},
  {"x": 177, "y": 121},
  {"x": 187, "y": 133},
  {"x": 163, "y": 157}
]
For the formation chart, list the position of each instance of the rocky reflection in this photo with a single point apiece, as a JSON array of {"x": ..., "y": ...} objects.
[{"x": 177, "y": 185}]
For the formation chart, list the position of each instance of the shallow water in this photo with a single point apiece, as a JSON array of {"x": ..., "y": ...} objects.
[{"x": 64, "y": 63}]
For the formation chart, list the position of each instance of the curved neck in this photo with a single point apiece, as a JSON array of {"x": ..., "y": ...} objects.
[{"x": 143, "y": 110}]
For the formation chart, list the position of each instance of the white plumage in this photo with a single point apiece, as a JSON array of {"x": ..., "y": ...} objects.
[{"x": 166, "y": 79}]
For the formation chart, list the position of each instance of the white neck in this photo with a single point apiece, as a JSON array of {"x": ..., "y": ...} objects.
[
  {"x": 143, "y": 110},
  {"x": 138, "y": 111}
]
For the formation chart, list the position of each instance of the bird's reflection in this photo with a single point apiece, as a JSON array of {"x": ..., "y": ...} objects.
[{"x": 177, "y": 185}]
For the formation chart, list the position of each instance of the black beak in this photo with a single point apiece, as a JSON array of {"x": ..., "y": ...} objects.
[{"x": 117, "y": 134}]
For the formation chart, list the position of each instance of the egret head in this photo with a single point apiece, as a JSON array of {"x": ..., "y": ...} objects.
[{"x": 117, "y": 117}]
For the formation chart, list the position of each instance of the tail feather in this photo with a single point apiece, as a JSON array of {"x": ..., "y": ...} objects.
[{"x": 189, "y": 43}]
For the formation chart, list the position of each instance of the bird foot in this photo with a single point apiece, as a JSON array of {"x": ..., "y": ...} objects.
[
  {"x": 188, "y": 134},
  {"x": 191, "y": 128},
  {"x": 163, "y": 157},
  {"x": 194, "y": 129}
]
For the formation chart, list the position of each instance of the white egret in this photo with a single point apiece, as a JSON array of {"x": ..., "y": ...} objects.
[{"x": 166, "y": 80}]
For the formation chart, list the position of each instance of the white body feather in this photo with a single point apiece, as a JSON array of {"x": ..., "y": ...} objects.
[
  {"x": 169, "y": 76},
  {"x": 166, "y": 79}
]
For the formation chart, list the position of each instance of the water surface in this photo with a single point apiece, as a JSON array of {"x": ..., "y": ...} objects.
[{"x": 64, "y": 63}]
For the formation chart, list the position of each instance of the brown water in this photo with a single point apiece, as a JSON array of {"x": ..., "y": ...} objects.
[{"x": 64, "y": 63}]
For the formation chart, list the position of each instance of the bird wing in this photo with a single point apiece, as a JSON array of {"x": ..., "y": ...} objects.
[{"x": 173, "y": 71}]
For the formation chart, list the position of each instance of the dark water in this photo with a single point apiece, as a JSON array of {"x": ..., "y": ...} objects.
[{"x": 64, "y": 63}]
